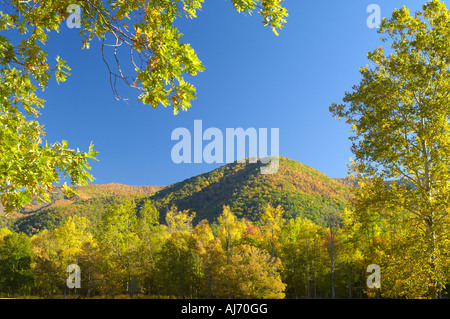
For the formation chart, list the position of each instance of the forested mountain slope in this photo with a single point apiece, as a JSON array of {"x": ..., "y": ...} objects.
[{"x": 299, "y": 189}]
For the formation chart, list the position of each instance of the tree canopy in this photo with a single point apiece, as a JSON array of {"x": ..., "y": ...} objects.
[{"x": 399, "y": 115}]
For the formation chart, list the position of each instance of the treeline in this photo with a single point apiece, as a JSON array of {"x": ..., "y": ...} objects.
[{"x": 130, "y": 252}]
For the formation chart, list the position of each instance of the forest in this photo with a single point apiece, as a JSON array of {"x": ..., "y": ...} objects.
[
  {"x": 129, "y": 254},
  {"x": 133, "y": 254}
]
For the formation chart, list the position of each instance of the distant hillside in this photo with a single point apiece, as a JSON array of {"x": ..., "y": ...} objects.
[
  {"x": 90, "y": 201},
  {"x": 299, "y": 189},
  {"x": 88, "y": 192}
]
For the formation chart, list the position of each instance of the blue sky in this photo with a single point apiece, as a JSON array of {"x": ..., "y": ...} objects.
[{"x": 252, "y": 79}]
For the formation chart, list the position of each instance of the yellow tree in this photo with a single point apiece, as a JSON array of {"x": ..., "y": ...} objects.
[
  {"x": 47, "y": 267},
  {"x": 271, "y": 225},
  {"x": 4, "y": 232},
  {"x": 179, "y": 221},
  {"x": 353, "y": 250},
  {"x": 118, "y": 243},
  {"x": 177, "y": 263},
  {"x": 151, "y": 237},
  {"x": 70, "y": 237},
  {"x": 216, "y": 265},
  {"x": 230, "y": 230},
  {"x": 253, "y": 273},
  {"x": 298, "y": 244},
  {"x": 399, "y": 114},
  {"x": 203, "y": 252},
  {"x": 89, "y": 260}
]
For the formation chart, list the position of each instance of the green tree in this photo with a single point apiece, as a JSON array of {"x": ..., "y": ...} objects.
[
  {"x": 399, "y": 115},
  {"x": 46, "y": 263},
  {"x": 118, "y": 243},
  {"x": 70, "y": 238},
  {"x": 89, "y": 260},
  {"x": 177, "y": 267},
  {"x": 299, "y": 242},
  {"x": 151, "y": 238},
  {"x": 16, "y": 256},
  {"x": 159, "y": 59}
]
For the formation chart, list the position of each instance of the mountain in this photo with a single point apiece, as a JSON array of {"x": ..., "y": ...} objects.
[{"x": 299, "y": 189}]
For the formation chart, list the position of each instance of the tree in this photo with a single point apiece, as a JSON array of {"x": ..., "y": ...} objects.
[
  {"x": 400, "y": 123},
  {"x": 252, "y": 273},
  {"x": 4, "y": 232},
  {"x": 70, "y": 238},
  {"x": 271, "y": 225},
  {"x": 204, "y": 252},
  {"x": 46, "y": 268},
  {"x": 332, "y": 223},
  {"x": 159, "y": 60},
  {"x": 353, "y": 255},
  {"x": 151, "y": 237},
  {"x": 16, "y": 274},
  {"x": 299, "y": 244},
  {"x": 252, "y": 235},
  {"x": 118, "y": 244},
  {"x": 179, "y": 221},
  {"x": 89, "y": 260},
  {"x": 177, "y": 267},
  {"x": 53, "y": 251},
  {"x": 230, "y": 231}
]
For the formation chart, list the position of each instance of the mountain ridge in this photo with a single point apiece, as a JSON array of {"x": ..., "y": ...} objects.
[
  {"x": 298, "y": 188},
  {"x": 291, "y": 187}
]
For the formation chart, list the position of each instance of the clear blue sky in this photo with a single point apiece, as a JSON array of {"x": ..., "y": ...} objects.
[{"x": 252, "y": 79}]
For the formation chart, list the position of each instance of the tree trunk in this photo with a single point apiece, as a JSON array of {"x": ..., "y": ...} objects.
[
  {"x": 349, "y": 282},
  {"x": 307, "y": 270},
  {"x": 332, "y": 262},
  {"x": 433, "y": 288}
]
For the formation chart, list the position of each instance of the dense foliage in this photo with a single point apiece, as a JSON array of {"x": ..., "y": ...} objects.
[
  {"x": 299, "y": 189},
  {"x": 399, "y": 114},
  {"x": 125, "y": 245},
  {"x": 130, "y": 252}
]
